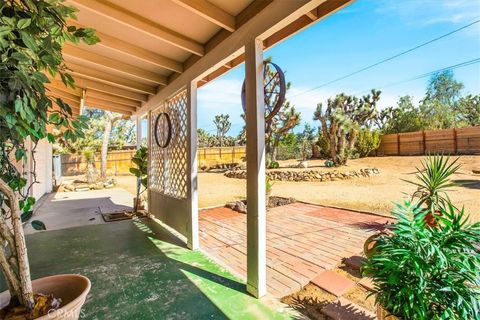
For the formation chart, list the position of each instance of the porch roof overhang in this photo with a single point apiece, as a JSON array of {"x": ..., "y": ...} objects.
[{"x": 151, "y": 49}]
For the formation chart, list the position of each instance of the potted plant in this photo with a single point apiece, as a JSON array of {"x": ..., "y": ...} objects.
[
  {"x": 31, "y": 37},
  {"x": 424, "y": 272},
  {"x": 140, "y": 159}
]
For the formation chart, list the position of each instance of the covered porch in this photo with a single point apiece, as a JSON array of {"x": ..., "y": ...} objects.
[{"x": 149, "y": 64}]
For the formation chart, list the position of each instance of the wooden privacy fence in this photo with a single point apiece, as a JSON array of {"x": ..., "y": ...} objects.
[
  {"x": 447, "y": 141},
  {"x": 213, "y": 156},
  {"x": 119, "y": 162}
]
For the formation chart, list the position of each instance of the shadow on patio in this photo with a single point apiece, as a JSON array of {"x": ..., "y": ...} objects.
[{"x": 140, "y": 271}]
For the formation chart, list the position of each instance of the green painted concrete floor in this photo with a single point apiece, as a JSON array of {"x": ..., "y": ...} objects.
[{"x": 140, "y": 271}]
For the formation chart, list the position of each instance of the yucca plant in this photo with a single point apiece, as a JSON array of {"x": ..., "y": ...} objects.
[
  {"x": 433, "y": 182},
  {"x": 428, "y": 273}
]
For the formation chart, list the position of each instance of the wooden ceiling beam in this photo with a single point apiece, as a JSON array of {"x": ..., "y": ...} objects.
[
  {"x": 99, "y": 76},
  {"x": 210, "y": 12},
  {"x": 63, "y": 95},
  {"x": 60, "y": 86},
  {"x": 323, "y": 10},
  {"x": 107, "y": 105},
  {"x": 133, "y": 51},
  {"x": 114, "y": 65},
  {"x": 106, "y": 88},
  {"x": 140, "y": 24},
  {"x": 312, "y": 15},
  {"x": 115, "y": 99}
]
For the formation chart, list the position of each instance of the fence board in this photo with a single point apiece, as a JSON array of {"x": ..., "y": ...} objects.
[
  {"x": 119, "y": 162},
  {"x": 447, "y": 141}
]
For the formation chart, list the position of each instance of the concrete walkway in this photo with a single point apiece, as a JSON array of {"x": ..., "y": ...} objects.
[
  {"x": 303, "y": 240},
  {"x": 62, "y": 210},
  {"x": 140, "y": 271}
]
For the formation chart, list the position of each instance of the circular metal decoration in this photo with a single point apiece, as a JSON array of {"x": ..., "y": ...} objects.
[
  {"x": 274, "y": 89},
  {"x": 163, "y": 130}
]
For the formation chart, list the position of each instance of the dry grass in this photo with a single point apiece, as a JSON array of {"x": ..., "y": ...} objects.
[{"x": 374, "y": 194}]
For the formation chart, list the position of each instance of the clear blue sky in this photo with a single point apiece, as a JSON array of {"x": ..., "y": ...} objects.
[{"x": 361, "y": 34}]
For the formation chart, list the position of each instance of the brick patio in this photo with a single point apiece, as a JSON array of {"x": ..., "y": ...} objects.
[{"x": 302, "y": 241}]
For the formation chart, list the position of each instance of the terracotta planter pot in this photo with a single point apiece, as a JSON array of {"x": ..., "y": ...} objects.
[
  {"x": 383, "y": 314},
  {"x": 71, "y": 288}
]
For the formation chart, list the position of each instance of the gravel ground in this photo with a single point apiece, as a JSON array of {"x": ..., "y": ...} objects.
[{"x": 374, "y": 194}]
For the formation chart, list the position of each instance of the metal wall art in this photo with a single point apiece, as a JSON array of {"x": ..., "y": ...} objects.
[{"x": 274, "y": 90}]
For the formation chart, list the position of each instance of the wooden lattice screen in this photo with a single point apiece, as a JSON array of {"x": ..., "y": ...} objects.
[{"x": 168, "y": 166}]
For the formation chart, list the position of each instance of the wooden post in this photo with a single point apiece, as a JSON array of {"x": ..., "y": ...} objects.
[
  {"x": 256, "y": 216},
  {"x": 192, "y": 166},
  {"x": 424, "y": 140},
  {"x": 398, "y": 144},
  {"x": 455, "y": 142}
]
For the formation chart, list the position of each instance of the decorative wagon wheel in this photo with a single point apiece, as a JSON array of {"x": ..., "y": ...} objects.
[
  {"x": 274, "y": 90},
  {"x": 163, "y": 130}
]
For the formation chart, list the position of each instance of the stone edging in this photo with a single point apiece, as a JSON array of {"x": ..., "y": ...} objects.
[{"x": 307, "y": 175}]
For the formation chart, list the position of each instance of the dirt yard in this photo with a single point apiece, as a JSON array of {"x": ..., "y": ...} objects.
[{"x": 375, "y": 194}]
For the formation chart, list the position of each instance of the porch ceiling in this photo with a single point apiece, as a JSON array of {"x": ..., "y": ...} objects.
[{"x": 145, "y": 45}]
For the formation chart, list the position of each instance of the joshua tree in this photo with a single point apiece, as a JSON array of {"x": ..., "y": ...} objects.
[
  {"x": 89, "y": 155},
  {"x": 223, "y": 125},
  {"x": 31, "y": 37},
  {"x": 280, "y": 125},
  {"x": 342, "y": 119},
  {"x": 110, "y": 119}
]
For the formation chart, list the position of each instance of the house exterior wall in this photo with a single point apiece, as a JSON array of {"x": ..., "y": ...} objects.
[{"x": 43, "y": 169}]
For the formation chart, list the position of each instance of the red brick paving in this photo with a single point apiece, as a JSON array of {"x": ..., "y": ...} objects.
[{"x": 303, "y": 240}]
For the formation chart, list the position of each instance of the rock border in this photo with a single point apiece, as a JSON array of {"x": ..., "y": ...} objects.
[{"x": 307, "y": 175}]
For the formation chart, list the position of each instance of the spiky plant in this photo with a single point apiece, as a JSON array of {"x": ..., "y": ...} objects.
[
  {"x": 428, "y": 273},
  {"x": 433, "y": 182}
]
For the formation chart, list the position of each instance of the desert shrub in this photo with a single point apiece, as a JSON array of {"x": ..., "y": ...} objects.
[
  {"x": 268, "y": 185},
  {"x": 367, "y": 141},
  {"x": 329, "y": 163},
  {"x": 323, "y": 146},
  {"x": 289, "y": 148},
  {"x": 274, "y": 165}
]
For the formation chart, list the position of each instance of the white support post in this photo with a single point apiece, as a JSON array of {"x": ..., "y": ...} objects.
[
  {"x": 82, "y": 101},
  {"x": 139, "y": 132},
  {"x": 192, "y": 193},
  {"x": 256, "y": 215}
]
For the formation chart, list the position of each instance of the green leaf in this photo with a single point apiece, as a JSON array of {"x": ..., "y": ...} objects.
[
  {"x": 135, "y": 172},
  {"x": 38, "y": 225},
  {"x": 40, "y": 76},
  {"x": 29, "y": 41},
  {"x": 5, "y": 30},
  {"x": 26, "y": 216},
  {"x": 19, "y": 154},
  {"x": 51, "y": 138},
  {"x": 23, "y": 23}
]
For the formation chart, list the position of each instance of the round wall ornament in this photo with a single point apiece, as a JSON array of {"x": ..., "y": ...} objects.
[{"x": 163, "y": 130}]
